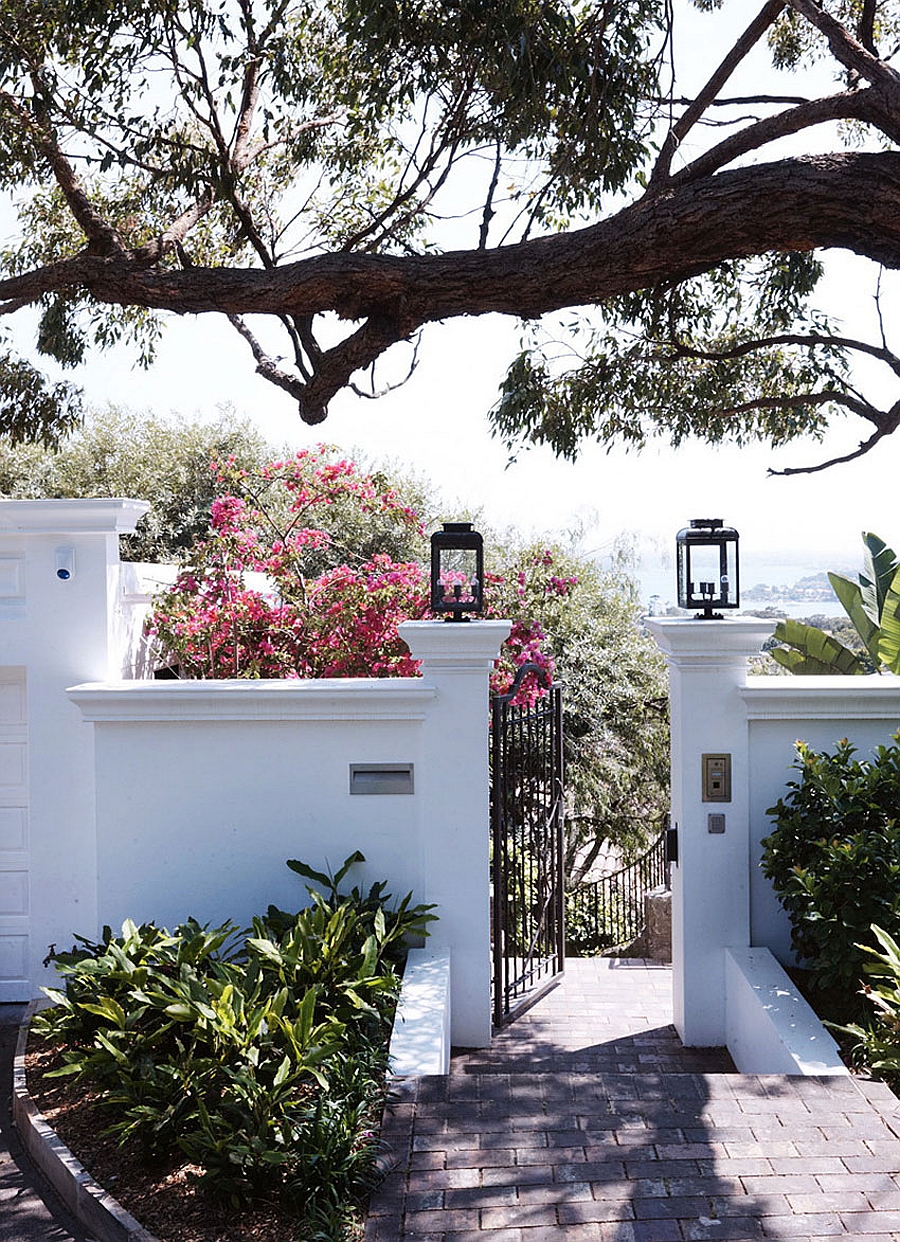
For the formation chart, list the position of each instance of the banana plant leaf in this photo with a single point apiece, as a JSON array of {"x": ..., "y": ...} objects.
[
  {"x": 812, "y": 652},
  {"x": 856, "y": 601},
  {"x": 889, "y": 643},
  {"x": 880, "y": 564}
]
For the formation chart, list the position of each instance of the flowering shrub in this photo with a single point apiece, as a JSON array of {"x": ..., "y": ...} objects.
[{"x": 324, "y": 612}]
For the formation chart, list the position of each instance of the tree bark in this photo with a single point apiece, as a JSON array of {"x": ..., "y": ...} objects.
[{"x": 850, "y": 201}]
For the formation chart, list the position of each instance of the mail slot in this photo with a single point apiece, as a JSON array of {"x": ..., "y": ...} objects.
[{"x": 381, "y": 778}]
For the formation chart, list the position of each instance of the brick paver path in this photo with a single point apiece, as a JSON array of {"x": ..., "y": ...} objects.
[{"x": 587, "y": 1120}]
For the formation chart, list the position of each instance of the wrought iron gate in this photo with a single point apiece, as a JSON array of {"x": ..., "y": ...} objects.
[{"x": 528, "y": 918}]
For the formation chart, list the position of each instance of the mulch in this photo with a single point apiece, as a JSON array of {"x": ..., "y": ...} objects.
[{"x": 164, "y": 1196}]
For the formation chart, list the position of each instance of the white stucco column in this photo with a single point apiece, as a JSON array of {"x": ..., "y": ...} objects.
[
  {"x": 457, "y": 660},
  {"x": 59, "y": 595},
  {"x": 711, "y": 880}
]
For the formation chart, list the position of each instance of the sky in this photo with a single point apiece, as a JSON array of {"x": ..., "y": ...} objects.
[{"x": 437, "y": 426}]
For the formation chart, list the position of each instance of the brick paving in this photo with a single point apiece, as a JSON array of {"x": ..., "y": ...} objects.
[{"x": 587, "y": 1120}]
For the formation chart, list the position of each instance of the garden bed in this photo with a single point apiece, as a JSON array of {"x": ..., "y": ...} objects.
[
  {"x": 164, "y": 1196},
  {"x": 221, "y": 1084}
]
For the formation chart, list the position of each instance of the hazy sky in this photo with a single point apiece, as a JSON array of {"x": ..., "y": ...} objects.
[{"x": 437, "y": 424}]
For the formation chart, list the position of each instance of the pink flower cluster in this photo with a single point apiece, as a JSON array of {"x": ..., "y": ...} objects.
[{"x": 340, "y": 623}]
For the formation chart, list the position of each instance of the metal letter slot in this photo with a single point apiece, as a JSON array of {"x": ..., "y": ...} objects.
[{"x": 381, "y": 778}]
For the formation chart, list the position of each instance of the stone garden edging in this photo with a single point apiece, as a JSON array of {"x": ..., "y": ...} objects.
[{"x": 102, "y": 1216}]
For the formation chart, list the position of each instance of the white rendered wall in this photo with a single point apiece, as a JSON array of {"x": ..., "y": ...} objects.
[
  {"x": 204, "y": 789},
  {"x": 820, "y": 711},
  {"x": 56, "y": 632},
  {"x": 721, "y": 900},
  {"x": 711, "y": 880}
]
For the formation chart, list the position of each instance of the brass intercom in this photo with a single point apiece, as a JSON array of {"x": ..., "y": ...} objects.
[{"x": 717, "y": 778}]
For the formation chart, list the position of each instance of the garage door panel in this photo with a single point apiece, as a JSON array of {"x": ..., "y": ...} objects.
[
  {"x": 13, "y": 830},
  {"x": 15, "y": 885}
]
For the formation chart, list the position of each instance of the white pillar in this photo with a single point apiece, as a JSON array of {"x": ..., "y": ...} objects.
[
  {"x": 59, "y": 592},
  {"x": 457, "y": 660},
  {"x": 711, "y": 881}
]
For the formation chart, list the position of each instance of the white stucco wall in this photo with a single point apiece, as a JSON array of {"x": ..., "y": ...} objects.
[
  {"x": 164, "y": 800},
  {"x": 53, "y": 632},
  {"x": 204, "y": 789},
  {"x": 820, "y": 711},
  {"x": 722, "y": 903}
]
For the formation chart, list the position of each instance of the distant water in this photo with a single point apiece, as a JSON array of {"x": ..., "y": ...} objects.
[{"x": 781, "y": 570}]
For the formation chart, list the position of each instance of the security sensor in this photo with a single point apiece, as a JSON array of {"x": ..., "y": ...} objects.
[{"x": 65, "y": 563}]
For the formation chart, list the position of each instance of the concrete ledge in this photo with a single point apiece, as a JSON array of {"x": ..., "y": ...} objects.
[
  {"x": 420, "y": 1043},
  {"x": 102, "y": 1217},
  {"x": 769, "y": 1027}
]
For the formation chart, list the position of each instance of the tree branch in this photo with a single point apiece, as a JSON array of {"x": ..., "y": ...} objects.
[
  {"x": 858, "y": 105},
  {"x": 882, "y": 353},
  {"x": 850, "y": 200},
  {"x": 695, "y": 110},
  {"x": 846, "y": 50},
  {"x": 865, "y": 446},
  {"x": 102, "y": 238},
  {"x": 795, "y": 400}
]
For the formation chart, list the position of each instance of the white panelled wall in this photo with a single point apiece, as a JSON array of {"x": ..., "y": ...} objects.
[{"x": 60, "y": 609}]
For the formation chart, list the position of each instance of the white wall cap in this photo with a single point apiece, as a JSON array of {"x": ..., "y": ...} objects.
[
  {"x": 689, "y": 640},
  {"x": 420, "y": 1040},
  {"x": 347, "y": 698},
  {"x": 869, "y": 697},
  {"x": 450, "y": 645},
  {"x": 97, "y": 515},
  {"x": 775, "y": 1030}
]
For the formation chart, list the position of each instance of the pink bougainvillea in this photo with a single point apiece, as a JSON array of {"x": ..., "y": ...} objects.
[{"x": 340, "y": 622}]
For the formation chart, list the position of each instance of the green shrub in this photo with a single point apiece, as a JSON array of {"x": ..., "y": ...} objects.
[
  {"x": 878, "y": 1045},
  {"x": 834, "y": 858},
  {"x": 261, "y": 1057}
]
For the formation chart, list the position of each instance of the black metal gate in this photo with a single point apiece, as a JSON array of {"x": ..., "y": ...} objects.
[{"x": 528, "y": 917}]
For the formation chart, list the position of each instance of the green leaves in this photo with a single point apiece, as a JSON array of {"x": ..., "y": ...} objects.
[
  {"x": 811, "y": 651},
  {"x": 734, "y": 355},
  {"x": 834, "y": 857},
  {"x": 872, "y": 604},
  {"x": 260, "y": 1057}
]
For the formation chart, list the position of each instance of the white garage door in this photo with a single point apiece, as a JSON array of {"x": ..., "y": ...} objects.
[{"x": 14, "y": 847}]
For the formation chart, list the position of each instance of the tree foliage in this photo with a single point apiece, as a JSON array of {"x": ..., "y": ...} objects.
[
  {"x": 334, "y": 176},
  {"x": 615, "y": 696},
  {"x": 120, "y": 452},
  {"x": 872, "y": 605}
]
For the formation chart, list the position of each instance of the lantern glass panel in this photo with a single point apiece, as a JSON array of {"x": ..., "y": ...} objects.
[
  {"x": 459, "y": 576},
  {"x": 457, "y": 570},
  {"x": 705, "y": 572}
]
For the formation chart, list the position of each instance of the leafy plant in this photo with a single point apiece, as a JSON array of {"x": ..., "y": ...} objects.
[
  {"x": 878, "y": 1044},
  {"x": 873, "y": 605},
  {"x": 261, "y": 1057},
  {"x": 834, "y": 857}
]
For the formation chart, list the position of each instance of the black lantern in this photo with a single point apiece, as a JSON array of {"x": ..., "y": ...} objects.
[
  {"x": 457, "y": 571},
  {"x": 708, "y": 567}
]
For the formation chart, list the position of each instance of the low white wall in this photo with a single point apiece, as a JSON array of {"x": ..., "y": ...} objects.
[
  {"x": 769, "y": 1027},
  {"x": 820, "y": 711},
  {"x": 204, "y": 789},
  {"x": 420, "y": 1042}
]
